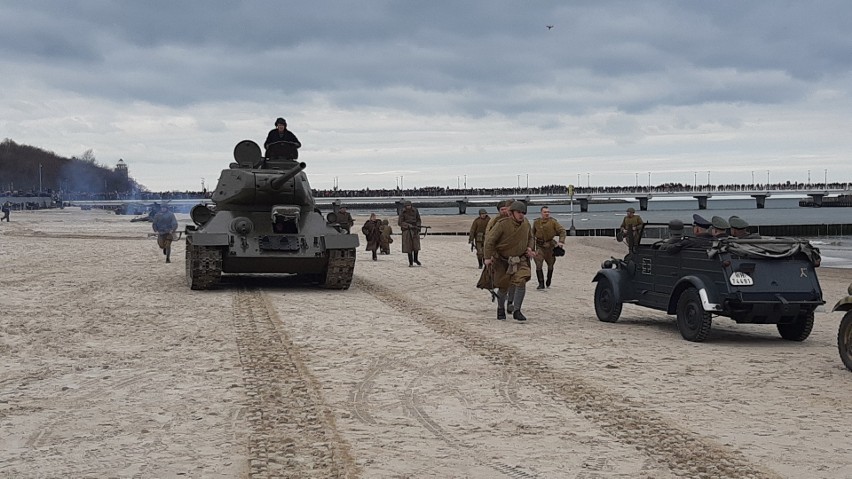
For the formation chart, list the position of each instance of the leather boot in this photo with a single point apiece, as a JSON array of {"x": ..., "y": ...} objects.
[
  {"x": 417, "y": 261},
  {"x": 501, "y": 298},
  {"x": 374, "y": 256},
  {"x": 549, "y": 277},
  {"x": 539, "y": 274},
  {"x": 168, "y": 252},
  {"x": 480, "y": 262},
  {"x": 520, "y": 292},
  {"x": 410, "y": 259}
]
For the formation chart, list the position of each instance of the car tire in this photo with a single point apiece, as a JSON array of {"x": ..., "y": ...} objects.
[
  {"x": 607, "y": 306},
  {"x": 692, "y": 321},
  {"x": 798, "y": 330},
  {"x": 844, "y": 340}
]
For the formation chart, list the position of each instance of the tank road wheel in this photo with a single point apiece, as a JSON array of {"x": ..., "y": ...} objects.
[
  {"x": 798, "y": 330},
  {"x": 203, "y": 266},
  {"x": 341, "y": 266},
  {"x": 844, "y": 340},
  {"x": 692, "y": 321},
  {"x": 607, "y": 306}
]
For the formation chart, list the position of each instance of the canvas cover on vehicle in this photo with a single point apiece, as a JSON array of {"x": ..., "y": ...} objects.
[{"x": 766, "y": 248}]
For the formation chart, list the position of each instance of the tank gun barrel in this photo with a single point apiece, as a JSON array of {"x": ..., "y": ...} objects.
[{"x": 278, "y": 182}]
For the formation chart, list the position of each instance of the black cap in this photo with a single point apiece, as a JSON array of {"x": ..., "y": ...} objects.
[
  {"x": 280, "y": 121},
  {"x": 701, "y": 221}
]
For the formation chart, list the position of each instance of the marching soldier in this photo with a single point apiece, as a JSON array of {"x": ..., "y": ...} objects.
[
  {"x": 372, "y": 230},
  {"x": 502, "y": 212},
  {"x": 386, "y": 240},
  {"x": 409, "y": 222},
  {"x": 631, "y": 228},
  {"x": 508, "y": 248},
  {"x": 477, "y": 235},
  {"x": 544, "y": 229}
]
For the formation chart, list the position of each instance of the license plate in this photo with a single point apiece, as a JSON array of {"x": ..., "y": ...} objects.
[{"x": 741, "y": 279}]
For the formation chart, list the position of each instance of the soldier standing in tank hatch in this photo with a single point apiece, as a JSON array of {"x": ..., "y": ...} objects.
[
  {"x": 508, "y": 249},
  {"x": 476, "y": 238},
  {"x": 165, "y": 224},
  {"x": 281, "y": 134},
  {"x": 409, "y": 223},
  {"x": 344, "y": 219},
  {"x": 544, "y": 229}
]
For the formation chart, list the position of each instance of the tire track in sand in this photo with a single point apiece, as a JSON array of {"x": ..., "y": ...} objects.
[
  {"x": 292, "y": 430},
  {"x": 684, "y": 452}
]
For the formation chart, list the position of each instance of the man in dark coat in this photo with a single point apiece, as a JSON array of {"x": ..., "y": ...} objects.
[
  {"x": 409, "y": 223},
  {"x": 7, "y": 207},
  {"x": 372, "y": 230},
  {"x": 282, "y": 135}
]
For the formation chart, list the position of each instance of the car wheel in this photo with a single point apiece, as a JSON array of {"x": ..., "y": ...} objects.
[
  {"x": 692, "y": 321},
  {"x": 844, "y": 340},
  {"x": 798, "y": 330},
  {"x": 607, "y": 306}
]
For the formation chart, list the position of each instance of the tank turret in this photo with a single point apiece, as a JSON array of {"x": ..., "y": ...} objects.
[{"x": 264, "y": 220}]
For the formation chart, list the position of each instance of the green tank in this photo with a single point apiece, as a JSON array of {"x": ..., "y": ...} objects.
[{"x": 264, "y": 220}]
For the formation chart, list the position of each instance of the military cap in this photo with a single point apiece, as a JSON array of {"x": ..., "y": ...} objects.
[
  {"x": 719, "y": 223},
  {"x": 631, "y": 210},
  {"x": 280, "y": 121},
  {"x": 675, "y": 225},
  {"x": 737, "y": 223},
  {"x": 518, "y": 206},
  {"x": 384, "y": 222},
  {"x": 482, "y": 211},
  {"x": 701, "y": 221},
  {"x": 407, "y": 203}
]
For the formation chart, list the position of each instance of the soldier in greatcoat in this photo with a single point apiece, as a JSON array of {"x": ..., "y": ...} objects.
[
  {"x": 387, "y": 239},
  {"x": 372, "y": 230},
  {"x": 508, "y": 248},
  {"x": 477, "y": 234},
  {"x": 409, "y": 223},
  {"x": 545, "y": 228},
  {"x": 344, "y": 219}
]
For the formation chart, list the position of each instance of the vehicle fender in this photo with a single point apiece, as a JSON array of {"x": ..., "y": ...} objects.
[
  {"x": 844, "y": 304},
  {"x": 206, "y": 239},
  {"x": 341, "y": 241},
  {"x": 710, "y": 299},
  {"x": 618, "y": 281}
]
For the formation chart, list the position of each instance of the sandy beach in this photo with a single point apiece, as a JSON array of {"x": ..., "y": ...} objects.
[{"x": 112, "y": 367}]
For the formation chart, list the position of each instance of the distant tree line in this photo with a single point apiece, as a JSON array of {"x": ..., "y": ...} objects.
[{"x": 20, "y": 165}]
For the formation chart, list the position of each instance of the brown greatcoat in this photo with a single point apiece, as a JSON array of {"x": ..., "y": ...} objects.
[
  {"x": 345, "y": 220},
  {"x": 409, "y": 222},
  {"x": 386, "y": 240},
  {"x": 372, "y": 230},
  {"x": 506, "y": 244}
]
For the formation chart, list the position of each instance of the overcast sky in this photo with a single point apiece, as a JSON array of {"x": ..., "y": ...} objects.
[{"x": 427, "y": 93}]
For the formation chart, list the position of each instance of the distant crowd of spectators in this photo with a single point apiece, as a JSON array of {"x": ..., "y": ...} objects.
[{"x": 439, "y": 191}]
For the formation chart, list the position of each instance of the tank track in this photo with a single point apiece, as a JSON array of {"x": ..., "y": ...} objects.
[
  {"x": 341, "y": 266},
  {"x": 203, "y": 266}
]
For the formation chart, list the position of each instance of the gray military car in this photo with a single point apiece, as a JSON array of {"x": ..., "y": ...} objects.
[{"x": 760, "y": 281}]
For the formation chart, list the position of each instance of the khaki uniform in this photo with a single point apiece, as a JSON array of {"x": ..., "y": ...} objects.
[
  {"x": 506, "y": 244},
  {"x": 632, "y": 231},
  {"x": 345, "y": 220},
  {"x": 477, "y": 234},
  {"x": 544, "y": 231},
  {"x": 384, "y": 244}
]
